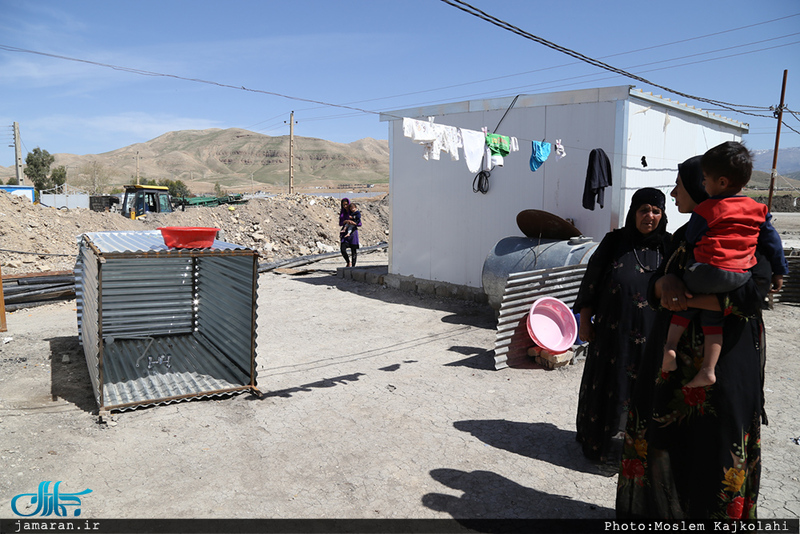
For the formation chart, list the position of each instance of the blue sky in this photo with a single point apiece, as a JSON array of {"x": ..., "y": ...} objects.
[{"x": 375, "y": 55}]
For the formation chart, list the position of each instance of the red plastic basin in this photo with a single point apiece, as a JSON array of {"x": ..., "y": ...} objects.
[{"x": 188, "y": 236}]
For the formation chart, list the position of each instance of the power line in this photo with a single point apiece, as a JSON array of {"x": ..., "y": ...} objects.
[
  {"x": 265, "y": 120},
  {"x": 549, "y": 85},
  {"x": 792, "y": 129},
  {"x": 704, "y": 36},
  {"x": 472, "y": 10},
  {"x": 175, "y": 76},
  {"x": 675, "y": 66},
  {"x": 578, "y": 62},
  {"x": 595, "y": 77},
  {"x": 502, "y": 24}
]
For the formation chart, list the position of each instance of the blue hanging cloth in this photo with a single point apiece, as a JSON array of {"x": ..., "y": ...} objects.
[{"x": 539, "y": 153}]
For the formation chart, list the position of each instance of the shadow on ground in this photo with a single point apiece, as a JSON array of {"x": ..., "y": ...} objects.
[
  {"x": 542, "y": 441},
  {"x": 478, "y": 358},
  {"x": 69, "y": 374},
  {"x": 489, "y": 495},
  {"x": 462, "y": 312},
  {"x": 311, "y": 386}
]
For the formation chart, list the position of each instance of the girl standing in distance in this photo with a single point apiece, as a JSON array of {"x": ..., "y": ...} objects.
[{"x": 349, "y": 222}]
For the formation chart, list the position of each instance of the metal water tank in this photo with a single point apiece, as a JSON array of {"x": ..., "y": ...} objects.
[{"x": 517, "y": 254}]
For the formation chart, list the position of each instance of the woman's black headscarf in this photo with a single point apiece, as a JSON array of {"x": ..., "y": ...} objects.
[
  {"x": 692, "y": 178},
  {"x": 654, "y": 197}
]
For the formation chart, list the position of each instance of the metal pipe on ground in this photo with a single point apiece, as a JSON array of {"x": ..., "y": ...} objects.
[{"x": 41, "y": 294}]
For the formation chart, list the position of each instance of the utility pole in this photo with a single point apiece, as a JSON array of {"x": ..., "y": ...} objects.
[
  {"x": 291, "y": 153},
  {"x": 137, "y": 167},
  {"x": 18, "y": 153},
  {"x": 774, "y": 173}
]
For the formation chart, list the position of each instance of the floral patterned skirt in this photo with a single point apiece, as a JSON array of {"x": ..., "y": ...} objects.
[{"x": 695, "y": 452}]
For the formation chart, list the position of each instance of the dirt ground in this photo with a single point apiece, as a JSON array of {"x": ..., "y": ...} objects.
[
  {"x": 376, "y": 404},
  {"x": 400, "y": 415}
]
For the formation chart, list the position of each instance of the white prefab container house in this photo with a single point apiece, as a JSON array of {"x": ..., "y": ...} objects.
[{"x": 441, "y": 230}]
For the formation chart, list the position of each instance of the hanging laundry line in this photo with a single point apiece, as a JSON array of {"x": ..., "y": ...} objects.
[{"x": 481, "y": 149}]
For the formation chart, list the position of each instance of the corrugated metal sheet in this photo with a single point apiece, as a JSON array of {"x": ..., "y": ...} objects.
[
  {"x": 224, "y": 306},
  {"x": 160, "y": 325},
  {"x": 146, "y": 241},
  {"x": 791, "y": 282},
  {"x": 86, "y": 292},
  {"x": 522, "y": 290},
  {"x": 151, "y": 295},
  {"x": 133, "y": 376}
]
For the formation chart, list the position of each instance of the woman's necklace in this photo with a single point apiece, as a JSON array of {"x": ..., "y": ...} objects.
[{"x": 645, "y": 268}]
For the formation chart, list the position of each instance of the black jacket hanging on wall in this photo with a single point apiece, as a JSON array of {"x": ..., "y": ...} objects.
[{"x": 598, "y": 177}]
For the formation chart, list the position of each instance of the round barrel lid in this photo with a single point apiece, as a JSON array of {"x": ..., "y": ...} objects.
[{"x": 539, "y": 224}]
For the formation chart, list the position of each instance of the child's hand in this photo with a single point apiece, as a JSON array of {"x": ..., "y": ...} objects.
[{"x": 777, "y": 283}]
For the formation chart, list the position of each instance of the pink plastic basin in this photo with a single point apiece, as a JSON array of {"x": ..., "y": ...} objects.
[
  {"x": 188, "y": 236},
  {"x": 552, "y": 325}
]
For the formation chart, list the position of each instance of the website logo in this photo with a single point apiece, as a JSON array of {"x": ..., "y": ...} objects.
[{"x": 49, "y": 503}]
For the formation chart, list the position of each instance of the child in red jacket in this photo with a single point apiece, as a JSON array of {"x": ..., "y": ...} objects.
[{"x": 725, "y": 230}]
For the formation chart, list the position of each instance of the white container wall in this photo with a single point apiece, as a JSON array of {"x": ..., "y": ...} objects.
[
  {"x": 666, "y": 137},
  {"x": 65, "y": 201},
  {"x": 441, "y": 230}
]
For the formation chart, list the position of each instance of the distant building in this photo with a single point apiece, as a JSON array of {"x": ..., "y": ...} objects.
[
  {"x": 20, "y": 190},
  {"x": 441, "y": 230}
]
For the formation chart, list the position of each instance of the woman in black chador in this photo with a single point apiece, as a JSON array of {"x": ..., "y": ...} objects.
[
  {"x": 614, "y": 294},
  {"x": 696, "y": 452}
]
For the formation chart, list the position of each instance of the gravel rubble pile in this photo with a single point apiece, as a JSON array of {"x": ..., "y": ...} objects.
[{"x": 35, "y": 238}]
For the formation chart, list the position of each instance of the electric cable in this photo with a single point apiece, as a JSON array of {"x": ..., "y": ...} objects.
[
  {"x": 184, "y": 78},
  {"x": 725, "y": 105},
  {"x": 472, "y": 10},
  {"x": 549, "y": 85},
  {"x": 480, "y": 184},
  {"x": 475, "y": 12},
  {"x": 595, "y": 78},
  {"x": 792, "y": 129},
  {"x": 578, "y": 62},
  {"x": 265, "y": 120}
]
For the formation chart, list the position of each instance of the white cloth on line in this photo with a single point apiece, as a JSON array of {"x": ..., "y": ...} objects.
[
  {"x": 474, "y": 144},
  {"x": 451, "y": 140},
  {"x": 435, "y": 138},
  {"x": 560, "y": 152}
]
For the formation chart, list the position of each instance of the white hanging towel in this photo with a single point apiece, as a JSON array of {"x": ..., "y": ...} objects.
[{"x": 474, "y": 143}]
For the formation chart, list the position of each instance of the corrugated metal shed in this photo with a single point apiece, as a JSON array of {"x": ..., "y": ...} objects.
[{"x": 159, "y": 324}]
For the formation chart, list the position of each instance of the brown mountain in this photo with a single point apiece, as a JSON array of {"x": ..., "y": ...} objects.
[
  {"x": 238, "y": 160},
  {"x": 761, "y": 180}
]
